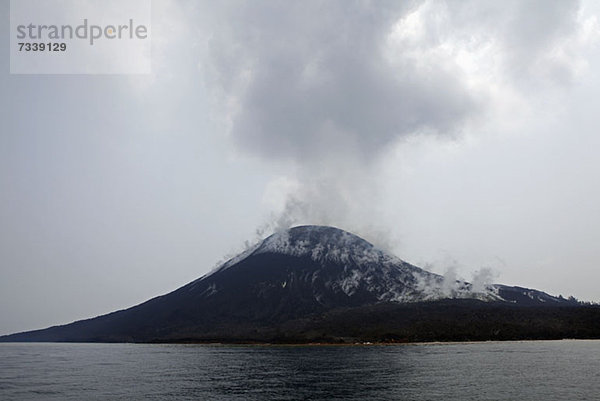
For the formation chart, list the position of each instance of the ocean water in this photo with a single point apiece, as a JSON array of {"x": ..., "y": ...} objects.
[{"x": 538, "y": 370}]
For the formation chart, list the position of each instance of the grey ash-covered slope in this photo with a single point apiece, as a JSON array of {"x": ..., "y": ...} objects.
[
  {"x": 329, "y": 267},
  {"x": 293, "y": 277}
]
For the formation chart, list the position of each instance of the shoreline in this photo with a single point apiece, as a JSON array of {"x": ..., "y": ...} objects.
[{"x": 310, "y": 344}]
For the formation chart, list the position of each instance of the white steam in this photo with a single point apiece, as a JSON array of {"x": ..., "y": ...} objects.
[{"x": 324, "y": 90}]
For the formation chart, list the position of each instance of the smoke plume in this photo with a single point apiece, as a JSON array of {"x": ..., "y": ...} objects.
[{"x": 329, "y": 88}]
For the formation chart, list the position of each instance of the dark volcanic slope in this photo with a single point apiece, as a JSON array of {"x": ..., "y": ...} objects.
[{"x": 289, "y": 283}]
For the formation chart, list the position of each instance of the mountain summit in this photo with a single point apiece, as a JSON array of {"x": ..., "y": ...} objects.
[
  {"x": 332, "y": 267},
  {"x": 284, "y": 286}
]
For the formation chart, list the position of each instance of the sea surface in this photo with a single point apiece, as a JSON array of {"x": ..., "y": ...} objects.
[{"x": 537, "y": 370}]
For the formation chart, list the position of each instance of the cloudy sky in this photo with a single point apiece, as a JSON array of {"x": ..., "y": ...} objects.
[{"x": 460, "y": 135}]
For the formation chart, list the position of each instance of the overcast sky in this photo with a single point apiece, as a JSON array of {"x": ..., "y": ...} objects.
[{"x": 460, "y": 135}]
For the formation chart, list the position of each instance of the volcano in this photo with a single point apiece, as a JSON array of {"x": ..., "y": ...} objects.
[{"x": 316, "y": 283}]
